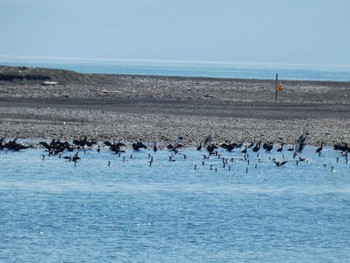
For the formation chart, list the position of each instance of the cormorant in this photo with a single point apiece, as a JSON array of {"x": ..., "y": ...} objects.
[
  {"x": 319, "y": 149},
  {"x": 256, "y": 148},
  {"x": 280, "y": 149},
  {"x": 279, "y": 163}
]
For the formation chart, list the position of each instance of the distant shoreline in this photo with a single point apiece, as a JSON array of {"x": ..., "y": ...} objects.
[
  {"x": 190, "y": 69},
  {"x": 158, "y": 108}
]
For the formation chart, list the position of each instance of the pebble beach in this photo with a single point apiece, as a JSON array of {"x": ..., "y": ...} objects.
[{"x": 161, "y": 109}]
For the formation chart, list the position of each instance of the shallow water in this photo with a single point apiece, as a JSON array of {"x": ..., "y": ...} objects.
[{"x": 54, "y": 211}]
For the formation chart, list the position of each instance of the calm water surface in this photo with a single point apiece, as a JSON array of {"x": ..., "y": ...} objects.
[
  {"x": 53, "y": 211},
  {"x": 188, "y": 69}
]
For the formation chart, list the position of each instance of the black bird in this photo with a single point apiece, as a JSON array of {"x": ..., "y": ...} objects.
[
  {"x": 45, "y": 145},
  {"x": 199, "y": 147},
  {"x": 211, "y": 148},
  {"x": 75, "y": 158},
  {"x": 107, "y": 143},
  {"x": 137, "y": 146},
  {"x": 301, "y": 142},
  {"x": 268, "y": 147},
  {"x": 170, "y": 146},
  {"x": 176, "y": 145},
  {"x": 14, "y": 146},
  {"x": 239, "y": 145},
  {"x": 115, "y": 147},
  {"x": 280, "y": 149},
  {"x": 256, "y": 148},
  {"x": 231, "y": 146},
  {"x": 224, "y": 145},
  {"x": 83, "y": 142},
  {"x": 290, "y": 148},
  {"x": 319, "y": 149},
  {"x": 72, "y": 158},
  {"x": 279, "y": 163},
  {"x": 344, "y": 147}
]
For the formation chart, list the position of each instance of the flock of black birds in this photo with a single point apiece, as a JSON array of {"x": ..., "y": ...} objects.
[{"x": 70, "y": 151}]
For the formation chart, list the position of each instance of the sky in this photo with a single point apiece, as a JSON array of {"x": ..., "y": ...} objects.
[{"x": 310, "y": 32}]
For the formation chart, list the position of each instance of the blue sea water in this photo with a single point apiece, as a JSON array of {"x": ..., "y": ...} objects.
[
  {"x": 53, "y": 211},
  {"x": 188, "y": 69},
  {"x": 248, "y": 211}
]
